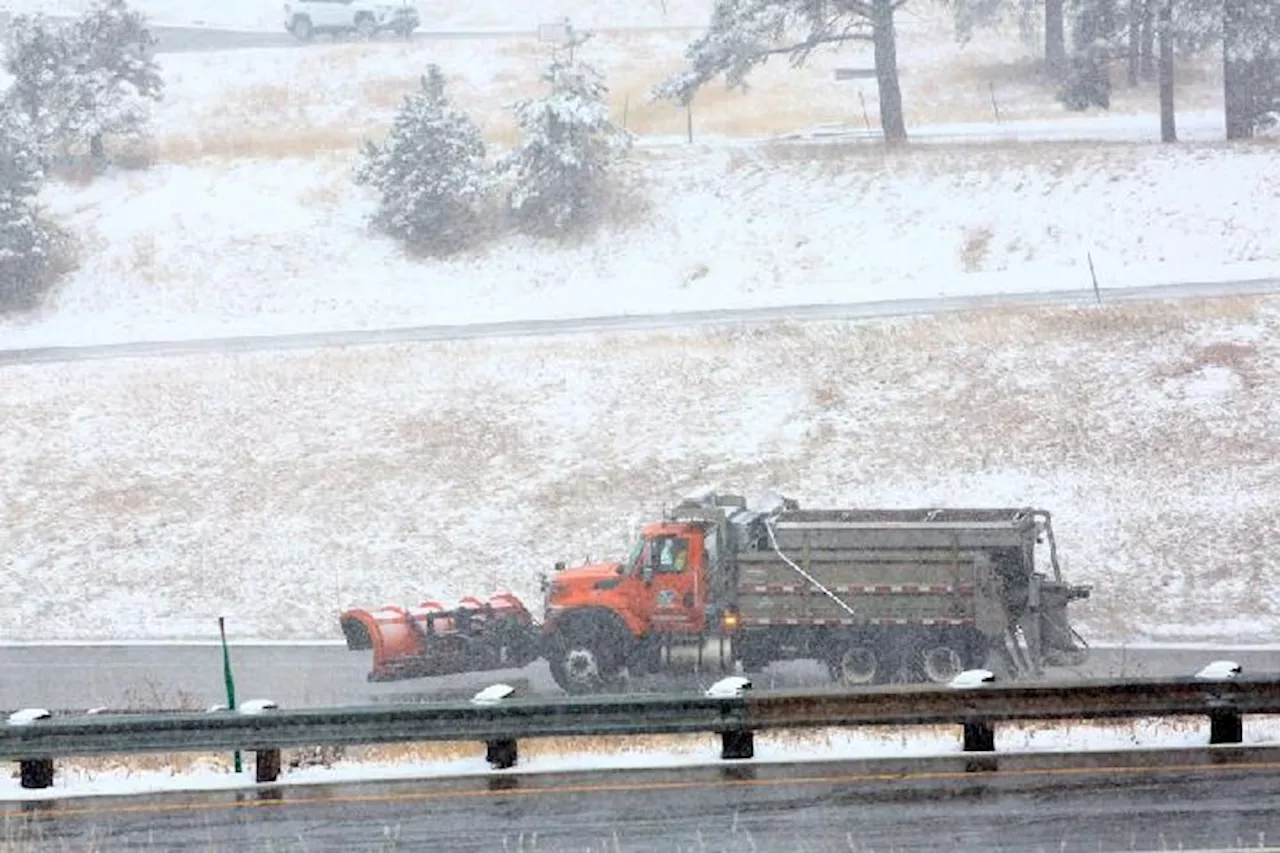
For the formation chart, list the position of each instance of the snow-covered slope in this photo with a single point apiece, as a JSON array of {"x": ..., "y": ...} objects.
[
  {"x": 144, "y": 498},
  {"x": 171, "y": 253}
]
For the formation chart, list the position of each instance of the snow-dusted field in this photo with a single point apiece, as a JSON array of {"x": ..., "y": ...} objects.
[
  {"x": 723, "y": 229},
  {"x": 101, "y": 778},
  {"x": 144, "y": 498}
]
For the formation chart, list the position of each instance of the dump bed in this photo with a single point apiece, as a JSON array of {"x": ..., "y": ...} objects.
[
  {"x": 927, "y": 568},
  {"x": 877, "y": 584}
]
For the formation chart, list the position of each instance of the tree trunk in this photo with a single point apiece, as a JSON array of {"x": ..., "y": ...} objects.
[
  {"x": 1055, "y": 39},
  {"x": 1237, "y": 110},
  {"x": 1135, "y": 40},
  {"x": 1147, "y": 53},
  {"x": 1168, "y": 124},
  {"x": 886, "y": 52},
  {"x": 1106, "y": 20}
]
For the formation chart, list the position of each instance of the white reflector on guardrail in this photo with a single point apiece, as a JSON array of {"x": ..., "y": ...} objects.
[
  {"x": 1220, "y": 670},
  {"x": 728, "y": 688},
  {"x": 973, "y": 678},
  {"x": 27, "y": 716},
  {"x": 493, "y": 694}
]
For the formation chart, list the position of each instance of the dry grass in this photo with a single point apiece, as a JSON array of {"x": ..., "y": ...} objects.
[
  {"x": 301, "y": 142},
  {"x": 977, "y": 243},
  {"x": 368, "y": 81}
]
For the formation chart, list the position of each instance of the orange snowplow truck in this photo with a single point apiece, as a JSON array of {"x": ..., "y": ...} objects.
[{"x": 716, "y": 586}]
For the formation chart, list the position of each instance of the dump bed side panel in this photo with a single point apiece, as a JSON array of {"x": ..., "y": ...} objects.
[
  {"x": 921, "y": 587},
  {"x": 933, "y": 567}
]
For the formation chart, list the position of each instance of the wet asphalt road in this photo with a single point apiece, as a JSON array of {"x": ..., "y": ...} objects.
[
  {"x": 765, "y": 808},
  {"x": 137, "y": 676}
]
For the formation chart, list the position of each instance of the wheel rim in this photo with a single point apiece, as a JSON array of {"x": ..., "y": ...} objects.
[
  {"x": 365, "y": 28},
  {"x": 942, "y": 663},
  {"x": 858, "y": 665},
  {"x": 581, "y": 667}
]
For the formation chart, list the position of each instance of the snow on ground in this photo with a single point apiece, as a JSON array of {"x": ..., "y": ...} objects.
[
  {"x": 436, "y": 14},
  {"x": 170, "y": 252},
  {"x": 146, "y": 497},
  {"x": 742, "y": 228},
  {"x": 771, "y": 747}
]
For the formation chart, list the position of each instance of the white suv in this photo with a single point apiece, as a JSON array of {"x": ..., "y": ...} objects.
[{"x": 305, "y": 18}]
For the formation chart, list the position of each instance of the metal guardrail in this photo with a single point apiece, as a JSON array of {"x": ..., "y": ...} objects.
[{"x": 500, "y": 725}]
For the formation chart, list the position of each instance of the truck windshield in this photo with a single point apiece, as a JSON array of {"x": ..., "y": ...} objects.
[{"x": 636, "y": 560}]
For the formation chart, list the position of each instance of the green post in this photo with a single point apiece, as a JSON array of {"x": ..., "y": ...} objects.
[{"x": 230, "y": 680}]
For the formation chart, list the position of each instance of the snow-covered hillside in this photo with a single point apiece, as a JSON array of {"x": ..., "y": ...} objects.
[
  {"x": 721, "y": 229},
  {"x": 144, "y": 498}
]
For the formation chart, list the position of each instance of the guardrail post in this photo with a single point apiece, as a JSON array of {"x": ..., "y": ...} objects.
[
  {"x": 36, "y": 772},
  {"x": 1225, "y": 727},
  {"x": 737, "y": 744},
  {"x": 266, "y": 764},
  {"x": 979, "y": 737},
  {"x": 501, "y": 753}
]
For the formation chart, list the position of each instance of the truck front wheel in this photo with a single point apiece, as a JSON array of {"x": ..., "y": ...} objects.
[{"x": 584, "y": 661}]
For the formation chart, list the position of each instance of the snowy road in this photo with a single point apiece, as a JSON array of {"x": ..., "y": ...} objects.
[
  {"x": 1061, "y": 803},
  {"x": 177, "y": 39},
  {"x": 84, "y": 676},
  {"x": 638, "y": 322}
]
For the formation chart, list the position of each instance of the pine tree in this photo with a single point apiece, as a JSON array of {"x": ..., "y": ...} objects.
[
  {"x": 77, "y": 83},
  {"x": 561, "y": 170},
  {"x": 744, "y": 34},
  {"x": 430, "y": 171},
  {"x": 33, "y": 251},
  {"x": 1251, "y": 66},
  {"x": 39, "y": 57},
  {"x": 116, "y": 73},
  {"x": 1087, "y": 82}
]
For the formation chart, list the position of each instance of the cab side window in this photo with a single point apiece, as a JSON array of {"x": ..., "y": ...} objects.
[{"x": 673, "y": 555}]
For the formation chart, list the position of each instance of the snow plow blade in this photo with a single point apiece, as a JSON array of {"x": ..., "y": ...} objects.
[{"x": 428, "y": 640}]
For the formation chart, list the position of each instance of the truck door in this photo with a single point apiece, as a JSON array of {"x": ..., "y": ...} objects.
[{"x": 672, "y": 595}]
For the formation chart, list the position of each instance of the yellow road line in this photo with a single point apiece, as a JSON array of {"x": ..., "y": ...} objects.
[{"x": 55, "y": 813}]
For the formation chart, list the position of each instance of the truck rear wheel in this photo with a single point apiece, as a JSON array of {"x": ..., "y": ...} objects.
[
  {"x": 941, "y": 662},
  {"x": 855, "y": 664}
]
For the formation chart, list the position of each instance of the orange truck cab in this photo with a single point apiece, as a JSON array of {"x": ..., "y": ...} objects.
[{"x": 656, "y": 611}]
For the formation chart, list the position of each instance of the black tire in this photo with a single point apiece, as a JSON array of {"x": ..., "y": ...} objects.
[
  {"x": 301, "y": 28},
  {"x": 585, "y": 659},
  {"x": 942, "y": 660},
  {"x": 856, "y": 663},
  {"x": 366, "y": 27}
]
